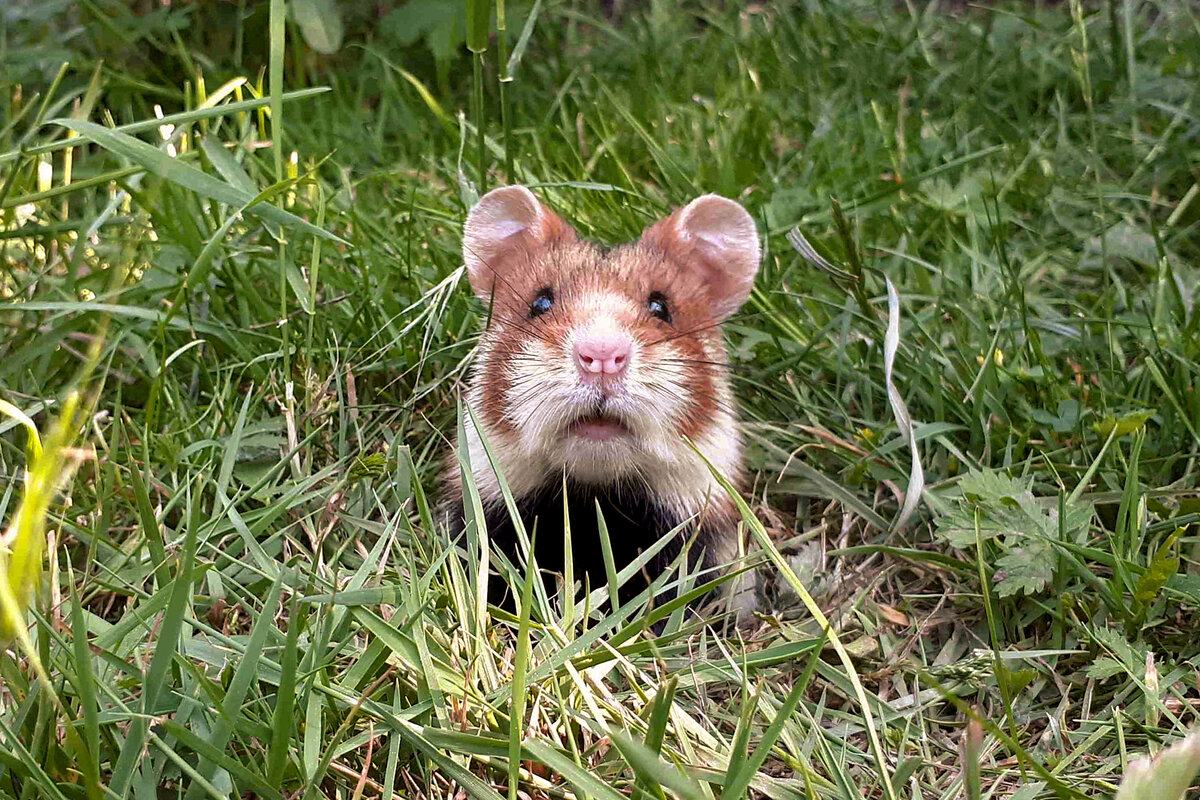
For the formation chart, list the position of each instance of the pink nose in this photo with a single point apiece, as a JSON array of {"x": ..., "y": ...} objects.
[{"x": 603, "y": 355}]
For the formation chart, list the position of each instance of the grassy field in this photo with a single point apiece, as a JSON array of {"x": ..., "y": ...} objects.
[{"x": 242, "y": 330}]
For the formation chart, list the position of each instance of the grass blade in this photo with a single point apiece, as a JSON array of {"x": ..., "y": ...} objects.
[
  {"x": 516, "y": 721},
  {"x": 768, "y": 547},
  {"x": 170, "y": 630},
  {"x": 738, "y": 782},
  {"x": 172, "y": 169}
]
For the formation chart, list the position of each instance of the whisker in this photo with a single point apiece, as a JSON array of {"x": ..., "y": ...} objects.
[{"x": 698, "y": 329}]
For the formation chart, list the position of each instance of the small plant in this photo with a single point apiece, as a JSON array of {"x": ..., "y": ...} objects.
[{"x": 1001, "y": 516}]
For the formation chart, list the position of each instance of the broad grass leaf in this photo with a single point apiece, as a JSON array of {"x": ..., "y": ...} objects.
[
  {"x": 210, "y": 109},
  {"x": 1186, "y": 584},
  {"x": 156, "y": 161},
  {"x": 1063, "y": 421},
  {"x": 518, "y": 51},
  {"x": 226, "y": 165},
  {"x": 1030, "y": 791}
]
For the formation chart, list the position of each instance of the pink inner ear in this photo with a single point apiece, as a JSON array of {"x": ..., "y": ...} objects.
[
  {"x": 718, "y": 222},
  {"x": 504, "y": 223},
  {"x": 506, "y": 228},
  {"x": 718, "y": 237}
]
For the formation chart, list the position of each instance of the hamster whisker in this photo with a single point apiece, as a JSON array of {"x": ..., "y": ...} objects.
[
  {"x": 722, "y": 364},
  {"x": 692, "y": 331}
]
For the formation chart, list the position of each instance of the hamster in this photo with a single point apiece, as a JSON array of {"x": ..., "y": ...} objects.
[{"x": 596, "y": 368}]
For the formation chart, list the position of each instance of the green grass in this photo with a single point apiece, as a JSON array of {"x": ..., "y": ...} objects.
[{"x": 246, "y": 590}]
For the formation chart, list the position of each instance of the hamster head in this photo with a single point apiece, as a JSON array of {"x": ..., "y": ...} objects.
[{"x": 597, "y": 363}]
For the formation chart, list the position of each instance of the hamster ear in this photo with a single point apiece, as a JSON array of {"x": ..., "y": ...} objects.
[
  {"x": 717, "y": 237},
  {"x": 502, "y": 231}
]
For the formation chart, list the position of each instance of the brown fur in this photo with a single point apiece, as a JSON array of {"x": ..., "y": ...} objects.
[
  {"x": 526, "y": 389},
  {"x": 574, "y": 268}
]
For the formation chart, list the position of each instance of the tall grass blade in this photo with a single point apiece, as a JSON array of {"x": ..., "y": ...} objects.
[
  {"x": 772, "y": 552},
  {"x": 172, "y": 169},
  {"x": 516, "y": 720},
  {"x": 165, "y": 651},
  {"x": 737, "y": 782}
]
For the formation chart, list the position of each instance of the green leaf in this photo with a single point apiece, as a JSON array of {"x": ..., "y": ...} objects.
[
  {"x": 1162, "y": 567},
  {"x": 85, "y": 683},
  {"x": 1062, "y": 422},
  {"x": 1132, "y": 658},
  {"x": 518, "y": 51},
  {"x": 151, "y": 530},
  {"x": 298, "y": 284},
  {"x": 516, "y": 720},
  {"x": 438, "y": 22},
  {"x": 172, "y": 169},
  {"x": 227, "y": 166},
  {"x": 737, "y": 782},
  {"x": 165, "y": 650},
  {"x": 282, "y": 719},
  {"x": 1188, "y": 585},
  {"x": 219, "y": 758},
  {"x": 1103, "y": 668},
  {"x": 1027, "y": 569},
  {"x": 320, "y": 24},
  {"x": 656, "y": 728},
  {"x": 1125, "y": 425},
  {"x": 610, "y": 568},
  {"x": 992, "y": 486},
  {"x": 244, "y": 676},
  {"x": 577, "y": 776},
  {"x": 1025, "y": 527},
  {"x": 647, "y": 765},
  {"x": 957, "y": 528},
  {"x": 180, "y": 119}
]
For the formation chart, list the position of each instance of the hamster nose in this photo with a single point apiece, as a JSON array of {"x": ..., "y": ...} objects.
[{"x": 603, "y": 355}]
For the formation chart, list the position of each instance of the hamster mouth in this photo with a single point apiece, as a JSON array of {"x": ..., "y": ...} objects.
[{"x": 597, "y": 428}]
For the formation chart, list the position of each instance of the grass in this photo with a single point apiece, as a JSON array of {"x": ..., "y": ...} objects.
[{"x": 257, "y": 299}]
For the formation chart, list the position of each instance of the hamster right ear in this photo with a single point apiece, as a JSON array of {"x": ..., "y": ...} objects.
[
  {"x": 717, "y": 238},
  {"x": 503, "y": 231}
]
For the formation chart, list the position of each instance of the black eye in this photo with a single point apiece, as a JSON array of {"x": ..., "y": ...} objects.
[
  {"x": 542, "y": 303},
  {"x": 657, "y": 305}
]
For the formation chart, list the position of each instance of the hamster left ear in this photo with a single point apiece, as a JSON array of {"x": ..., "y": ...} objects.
[
  {"x": 717, "y": 236},
  {"x": 505, "y": 229}
]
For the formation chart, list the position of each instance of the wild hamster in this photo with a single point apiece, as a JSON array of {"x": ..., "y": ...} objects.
[{"x": 596, "y": 367}]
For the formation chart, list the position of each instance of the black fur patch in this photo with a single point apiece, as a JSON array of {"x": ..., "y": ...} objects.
[{"x": 635, "y": 521}]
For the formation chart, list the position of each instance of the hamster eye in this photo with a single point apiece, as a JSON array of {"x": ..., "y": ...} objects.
[
  {"x": 542, "y": 303},
  {"x": 657, "y": 305}
]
